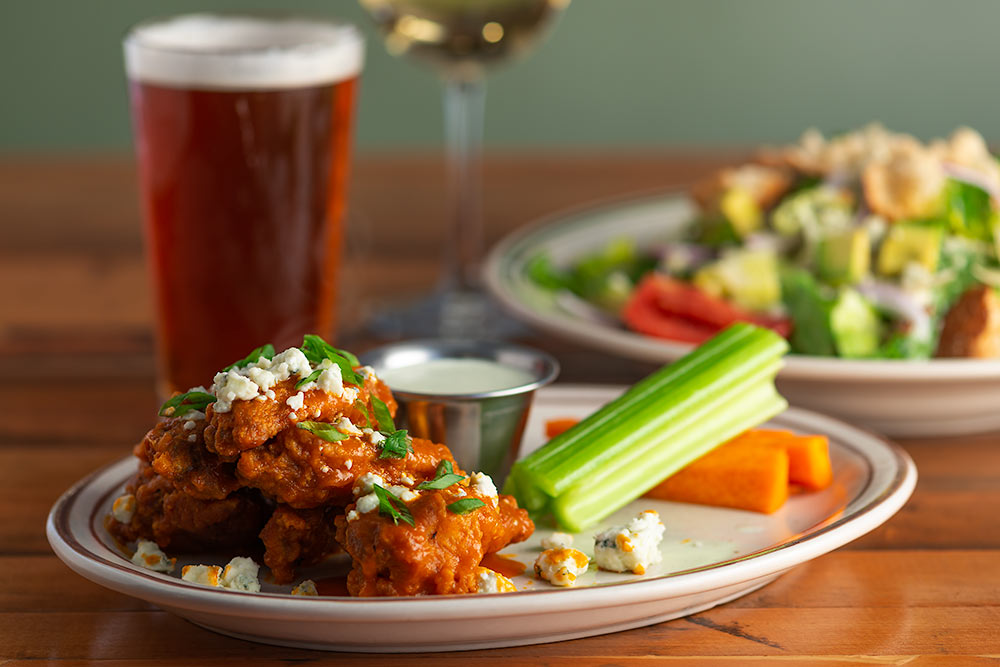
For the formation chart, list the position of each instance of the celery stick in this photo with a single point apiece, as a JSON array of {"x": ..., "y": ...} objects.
[
  {"x": 621, "y": 423},
  {"x": 661, "y": 424},
  {"x": 586, "y": 504},
  {"x": 640, "y": 393}
]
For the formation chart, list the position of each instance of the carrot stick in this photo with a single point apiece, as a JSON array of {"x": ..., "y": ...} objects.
[
  {"x": 732, "y": 475},
  {"x": 752, "y": 471},
  {"x": 554, "y": 427},
  {"x": 808, "y": 456}
]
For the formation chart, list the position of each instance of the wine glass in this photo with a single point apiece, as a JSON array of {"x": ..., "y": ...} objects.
[{"x": 461, "y": 40}]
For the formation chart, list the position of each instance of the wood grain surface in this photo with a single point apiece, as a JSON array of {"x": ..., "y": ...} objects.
[{"x": 76, "y": 391}]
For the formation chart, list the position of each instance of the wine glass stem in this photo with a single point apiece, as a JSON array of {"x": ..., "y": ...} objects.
[{"x": 463, "y": 122}]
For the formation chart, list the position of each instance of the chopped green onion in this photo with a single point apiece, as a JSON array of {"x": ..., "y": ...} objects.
[
  {"x": 465, "y": 505},
  {"x": 181, "y": 404},
  {"x": 312, "y": 377},
  {"x": 316, "y": 350},
  {"x": 655, "y": 428},
  {"x": 391, "y": 505},
  {"x": 323, "y": 431},
  {"x": 266, "y": 351},
  {"x": 442, "y": 482},
  {"x": 395, "y": 446},
  {"x": 363, "y": 409},
  {"x": 443, "y": 478},
  {"x": 382, "y": 416}
]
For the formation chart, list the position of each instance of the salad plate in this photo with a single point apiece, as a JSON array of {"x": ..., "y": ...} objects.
[
  {"x": 908, "y": 398},
  {"x": 710, "y": 556}
]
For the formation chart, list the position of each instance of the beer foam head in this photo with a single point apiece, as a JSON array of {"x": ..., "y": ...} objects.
[{"x": 211, "y": 51}]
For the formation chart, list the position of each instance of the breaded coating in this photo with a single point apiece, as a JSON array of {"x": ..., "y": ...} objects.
[
  {"x": 174, "y": 519},
  {"x": 972, "y": 326},
  {"x": 175, "y": 448},
  {"x": 294, "y": 538},
  {"x": 439, "y": 555},
  {"x": 302, "y": 470}
]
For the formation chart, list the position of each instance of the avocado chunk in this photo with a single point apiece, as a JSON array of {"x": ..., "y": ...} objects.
[
  {"x": 910, "y": 242},
  {"x": 748, "y": 278},
  {"x": 855, "y": 325},
  {"x": 844, "y": 257}
]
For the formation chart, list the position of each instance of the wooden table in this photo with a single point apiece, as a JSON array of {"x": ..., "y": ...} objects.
[{"x": 76, "y": 391}]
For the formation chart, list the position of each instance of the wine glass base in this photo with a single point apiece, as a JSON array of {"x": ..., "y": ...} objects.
[{"x": 456, "y": 314}]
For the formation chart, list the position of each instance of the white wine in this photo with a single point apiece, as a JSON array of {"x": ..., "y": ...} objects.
[{"x": 462, "y": 37}]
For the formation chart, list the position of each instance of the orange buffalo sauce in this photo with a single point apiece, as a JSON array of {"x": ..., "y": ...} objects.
[{"x": 508, "y": 566}]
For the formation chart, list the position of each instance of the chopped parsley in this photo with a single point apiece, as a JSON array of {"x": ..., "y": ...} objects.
[
  {"x": 444, "y": 477},
  {"x": 323, "y": 431},
  {"x": 395, "y": 446},
  {"x": 392, "y": 506},
  {"x": 266, "y": 351},
  {"x": 181, "y": 404},
  {"x": 465, "y": 505}
]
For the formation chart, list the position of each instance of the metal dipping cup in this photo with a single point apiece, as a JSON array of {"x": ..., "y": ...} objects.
[{"x": 483, "y": 430}]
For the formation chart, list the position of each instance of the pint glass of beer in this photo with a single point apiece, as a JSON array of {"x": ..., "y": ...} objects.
[{"x": 242, "y": 130}]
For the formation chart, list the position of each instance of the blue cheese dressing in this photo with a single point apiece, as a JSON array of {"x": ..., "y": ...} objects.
[{"x": 452, "y": 377}]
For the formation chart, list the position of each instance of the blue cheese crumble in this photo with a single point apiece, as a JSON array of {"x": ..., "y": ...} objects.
[
  {"x": 483, "y": 484},
  {"x": 306, "y": 589},
  {"x": 490, "y": 581},
  {"x": 206, "y": 575},
  {"x": 148, "y": 555},
  {"x": 557, "y": 540},
  {"x": 561, "y": 567},
  {"x": 367, "y": 482},
  {"x": 630, "y": 548},
  {"x": 257, "y": 380},
  {"x": 123, "y": 508},
  {"x": 366, "y": 503},
  {"x": 241, "y": 575}
]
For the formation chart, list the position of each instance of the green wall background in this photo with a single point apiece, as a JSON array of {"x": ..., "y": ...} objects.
[{"x": 615, "y": 73}]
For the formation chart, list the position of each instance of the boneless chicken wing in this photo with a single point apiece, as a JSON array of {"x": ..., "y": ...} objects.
[
  {"x": 158, "y": 511},
  {"x": 175, "y": 449},
  {"x": 440, "y": 553},
  {"x": 294, "y": 538}
]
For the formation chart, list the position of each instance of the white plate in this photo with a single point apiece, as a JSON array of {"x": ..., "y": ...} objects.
[
  {"x": 896, "y": 397},
  {"x": 711, "y": 556}
]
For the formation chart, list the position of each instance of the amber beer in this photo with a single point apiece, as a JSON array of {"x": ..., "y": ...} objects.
[{"x": 242, "y": 130}]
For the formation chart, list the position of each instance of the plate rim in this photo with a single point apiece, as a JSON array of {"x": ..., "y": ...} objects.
[
  {"x": 502, "y": 261},
  {"x": 771, "y": 560}
]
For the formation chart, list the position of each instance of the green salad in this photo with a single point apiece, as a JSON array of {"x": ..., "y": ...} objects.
[{"x": 870, "y": 244}]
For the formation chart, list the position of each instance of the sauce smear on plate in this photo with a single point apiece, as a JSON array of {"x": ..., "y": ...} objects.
[{"x": 508, "y": 566}]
